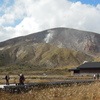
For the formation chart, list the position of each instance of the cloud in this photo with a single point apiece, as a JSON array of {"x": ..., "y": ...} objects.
[{"x": 38, "y": 15}]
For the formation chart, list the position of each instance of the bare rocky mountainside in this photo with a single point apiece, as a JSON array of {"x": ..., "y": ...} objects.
[{"x": 51, "y": 48}]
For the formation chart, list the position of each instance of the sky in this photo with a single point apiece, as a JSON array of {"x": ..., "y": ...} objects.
[
  {"x": 90, "y": 2},
  {"x": 23, "y": 17}
]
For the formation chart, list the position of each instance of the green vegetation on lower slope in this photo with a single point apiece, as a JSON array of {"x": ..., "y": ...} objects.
[
  {"x": 41, "y": 56},
  {"x": 34, "y": 70},
  {"x": 51, "y": 56}
]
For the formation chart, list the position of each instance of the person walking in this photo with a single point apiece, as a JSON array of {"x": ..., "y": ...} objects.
[
  {"x": 94, "y": 76},
  {"x": 21, "y": 79},
  {"x": 7, "y": 79},
  {"x": 98, "y": 76}
]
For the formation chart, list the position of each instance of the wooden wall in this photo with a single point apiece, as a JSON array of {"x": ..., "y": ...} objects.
[{"x": 90, "y": 70}]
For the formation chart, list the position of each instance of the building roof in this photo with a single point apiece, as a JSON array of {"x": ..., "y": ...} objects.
[
  {"x": 75, "y": 68},
  {"x": 87, "y": 65}
]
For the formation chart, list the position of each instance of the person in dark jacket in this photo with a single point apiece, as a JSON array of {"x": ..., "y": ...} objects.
[
  {"x": 7, "y": 79},
  {"x": 98, "y": 76},
  {"x": 22, "y": 79}
]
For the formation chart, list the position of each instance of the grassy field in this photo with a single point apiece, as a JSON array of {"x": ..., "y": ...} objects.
[
  {"x": 34, "y": 78},
  {"x": 42, "y": 78},
  {"x": 63, "y": 92},
  {"x": 35, "y": 70}
]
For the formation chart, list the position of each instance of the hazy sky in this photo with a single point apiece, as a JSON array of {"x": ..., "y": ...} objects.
[{"x": 22, "y": 17}]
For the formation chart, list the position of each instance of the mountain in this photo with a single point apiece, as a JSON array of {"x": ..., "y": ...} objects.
[
  {"x": 41, "y": 54},
  {"x": 87, "y": 42},
  {"x": 51, "y": 48}
]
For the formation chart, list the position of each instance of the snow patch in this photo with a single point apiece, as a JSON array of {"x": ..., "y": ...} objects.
[
  {"x": 60, "y": 45},
  {"x": 5, "y": 48},
  {"x": 1, "y": 48},
  {"x": 8, "y": 47},
  {"x": 21, "y": 51}
]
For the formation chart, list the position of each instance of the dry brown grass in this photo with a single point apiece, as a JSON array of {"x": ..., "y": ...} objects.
[
  {"x": 33, "y": 78},
  {"x": 82, "y": 92}
]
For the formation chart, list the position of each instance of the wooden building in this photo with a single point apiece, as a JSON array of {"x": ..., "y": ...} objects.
[{"x": 86, "y": 68}]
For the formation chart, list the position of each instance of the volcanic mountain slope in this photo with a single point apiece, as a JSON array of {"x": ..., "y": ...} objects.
[
  {"x": 41, "y": 54},
  {"x": 52, "y": 47},
  {"x": 87, "y": 42}
]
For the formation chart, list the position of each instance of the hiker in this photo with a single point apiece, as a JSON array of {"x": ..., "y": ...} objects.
[
  {"x": 21, "y": 79},
  {"x": 7, "y": 79},
  {"x": 94, "y": 76},
  {"x": 97, "y": 76}
]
